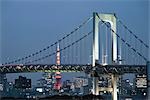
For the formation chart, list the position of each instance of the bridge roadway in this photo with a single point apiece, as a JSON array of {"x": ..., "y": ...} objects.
[{"x": 100, "y": 69}]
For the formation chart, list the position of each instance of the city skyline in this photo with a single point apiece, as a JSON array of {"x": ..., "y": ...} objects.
[
  {"x": 31, "y": 31},
  {"x": 24, "y": 20}
]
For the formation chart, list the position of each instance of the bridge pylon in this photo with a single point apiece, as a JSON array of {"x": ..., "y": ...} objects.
[{"x": 110, "y": 18}]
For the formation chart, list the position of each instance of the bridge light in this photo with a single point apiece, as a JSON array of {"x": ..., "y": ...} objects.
[
  {"x": 144, "y": 94},
  {"x": 104, "y": 64},
  {"x": 18, "y": 67}
]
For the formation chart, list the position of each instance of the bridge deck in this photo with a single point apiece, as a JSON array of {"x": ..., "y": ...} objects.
[
  {"x": 101, "y": 69},
  {"x": 121, "y": 69}
]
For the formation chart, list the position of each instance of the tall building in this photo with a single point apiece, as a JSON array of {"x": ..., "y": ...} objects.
[
  {"x": 22, "y": 83},
  {"x": 3, "y": 84},
  {"x": 126, "y": 87},
  {"x": 49, "y": 80},
  {"x": 81, "y": 85}
]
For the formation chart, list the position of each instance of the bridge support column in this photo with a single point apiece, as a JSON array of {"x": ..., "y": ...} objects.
[
  {"x": 95, "y": 55},
  {"x": 95, "y": 86},
  {"x": 110, "y": 18},
  {"x": 114, "y": 86}
]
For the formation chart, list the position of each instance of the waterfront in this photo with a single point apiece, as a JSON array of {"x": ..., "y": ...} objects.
[
  {"x": 86, "y": 97},
  {"x": 102, "y": 45}
]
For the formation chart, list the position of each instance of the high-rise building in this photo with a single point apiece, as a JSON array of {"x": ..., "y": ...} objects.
[
  {"x": 141, "y": 84},
  {"x": 22, "y": 83},
  {"x": 81, "y": 85},
  {"x": 80, "y": 81},
  {"x": 3, "y": 84},
  {"x": 49, "y": 80},
  {"x": 141, "y": 81},
  {"x": 67, "y": 84}
]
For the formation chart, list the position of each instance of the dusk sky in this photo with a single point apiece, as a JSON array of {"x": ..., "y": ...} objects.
[{"x": 29, "y": 25}]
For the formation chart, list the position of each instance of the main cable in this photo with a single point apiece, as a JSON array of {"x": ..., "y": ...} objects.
[
  {"x": 46, "y": 48},
  {"x": 66, "y": 47},
  {"x": 132, "y": 32},
  {"x": 137, "y": 52}
]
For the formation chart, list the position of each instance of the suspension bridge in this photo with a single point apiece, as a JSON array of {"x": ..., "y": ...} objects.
[{"x": 101, "y": 45}]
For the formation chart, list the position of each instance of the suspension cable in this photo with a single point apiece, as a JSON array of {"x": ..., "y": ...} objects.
[
  {"x": 137, "y": 52},
  {"x": 46, "y": 48},
  {"x": 132, "y": 32},
  {"x": 62, "y": 49}
]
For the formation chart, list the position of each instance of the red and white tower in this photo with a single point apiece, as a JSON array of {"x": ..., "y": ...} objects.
[
  {"x": 57, "y": 85},
  {"x": 58, "y": 55}
]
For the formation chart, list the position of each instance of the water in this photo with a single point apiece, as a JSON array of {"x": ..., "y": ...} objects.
[{"x": 87, "y": 97}]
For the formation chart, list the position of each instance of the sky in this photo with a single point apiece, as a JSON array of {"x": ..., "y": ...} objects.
[{"x": 29, "y": 25}]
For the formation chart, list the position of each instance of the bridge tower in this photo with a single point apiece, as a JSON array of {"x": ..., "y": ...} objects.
[{"x": 110, "y": 18}]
